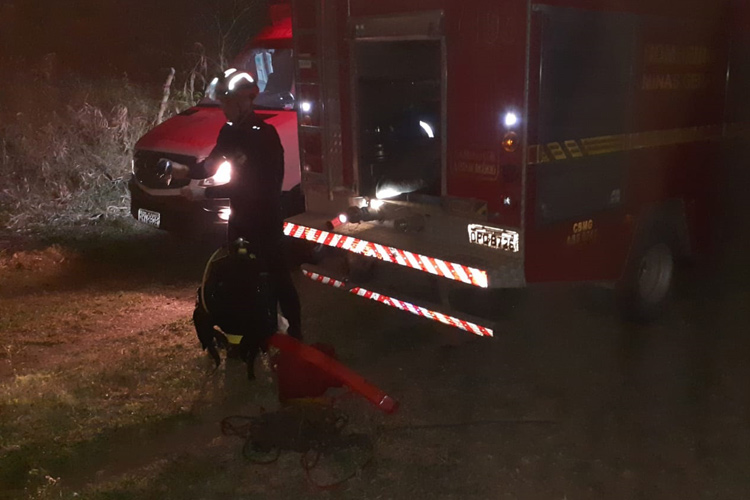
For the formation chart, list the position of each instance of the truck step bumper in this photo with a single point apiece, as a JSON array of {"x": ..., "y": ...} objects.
[
  {"x": 441, "y": 313},
  {"x": 444, "y": 253}
]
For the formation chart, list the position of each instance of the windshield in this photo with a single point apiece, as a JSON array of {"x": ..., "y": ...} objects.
[{"x": 274, "y": 71}]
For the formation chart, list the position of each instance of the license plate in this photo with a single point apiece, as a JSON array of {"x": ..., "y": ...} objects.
[
  {"x": 149, "y": 217},
  {"x": 500, "y": 239}
]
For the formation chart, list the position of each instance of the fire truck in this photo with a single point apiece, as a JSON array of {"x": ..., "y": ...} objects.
[
  {"x": 189, "y": 137},
  {"x": 503, "y": 143}
]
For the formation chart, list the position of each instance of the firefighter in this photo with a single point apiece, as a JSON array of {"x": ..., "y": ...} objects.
[{"x": 253, "y": 149}]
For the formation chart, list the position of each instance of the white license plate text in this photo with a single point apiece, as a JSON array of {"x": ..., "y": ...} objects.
[
  {"x": 500, "y": 239},
  {"x": 149, "y": 217}
]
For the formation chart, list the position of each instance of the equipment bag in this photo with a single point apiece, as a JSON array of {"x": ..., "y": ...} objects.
[{"x": 235, "y": 296}]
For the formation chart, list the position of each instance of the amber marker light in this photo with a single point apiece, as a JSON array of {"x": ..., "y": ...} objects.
[{"x": 510, "y": 142}]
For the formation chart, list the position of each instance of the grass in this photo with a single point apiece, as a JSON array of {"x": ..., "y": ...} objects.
[
  {"x": 107, "y": 378},
  {"x": 91, "y": 381},
  {"x": 105, "y": 394}
]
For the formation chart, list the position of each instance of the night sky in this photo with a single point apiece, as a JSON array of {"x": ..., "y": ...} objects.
[{"x": 115, "y": 37}]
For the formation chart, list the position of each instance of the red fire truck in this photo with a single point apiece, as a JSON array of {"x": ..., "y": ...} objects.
[{"x": 498, "y": 144}]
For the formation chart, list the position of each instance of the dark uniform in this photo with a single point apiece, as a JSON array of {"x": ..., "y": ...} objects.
[{"x": 254, "y": 149}]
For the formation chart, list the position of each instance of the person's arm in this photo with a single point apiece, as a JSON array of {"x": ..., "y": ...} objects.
[
  {"x": 216, "y": 157},
  {"x": 236, "y": 185}
]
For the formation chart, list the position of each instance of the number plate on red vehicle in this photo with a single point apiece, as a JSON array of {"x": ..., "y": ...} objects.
[
  {"x": 149, "y": 217},
  {"x": 493, "y": 237}
]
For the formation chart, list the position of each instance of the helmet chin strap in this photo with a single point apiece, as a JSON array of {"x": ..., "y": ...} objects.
[{"x": 246, "y": 114}]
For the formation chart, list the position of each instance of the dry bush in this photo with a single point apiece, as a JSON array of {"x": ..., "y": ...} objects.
[
  {"x": 194, "y": 82},
  {"x": 65, "y": 146},
  {"x": 66, "y": 141}
]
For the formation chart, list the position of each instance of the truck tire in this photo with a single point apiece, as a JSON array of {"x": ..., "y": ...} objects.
[{"x": 645, "y": 287}]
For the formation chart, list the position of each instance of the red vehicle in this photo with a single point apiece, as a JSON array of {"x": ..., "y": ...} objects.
[
  {"x": 498, "y": 144},
  {"x": 190, "y": 136}
]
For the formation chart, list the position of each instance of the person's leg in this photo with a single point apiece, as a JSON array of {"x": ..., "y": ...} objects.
[
  {"x": 286, "y": 293},
  {"x": 204, "y": 327}
]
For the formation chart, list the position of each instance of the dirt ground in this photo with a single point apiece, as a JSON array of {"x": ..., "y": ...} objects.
[{"x": 105, "y": 393}]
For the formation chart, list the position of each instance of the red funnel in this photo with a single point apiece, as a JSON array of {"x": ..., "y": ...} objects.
[{"x": 334, "y": 374}]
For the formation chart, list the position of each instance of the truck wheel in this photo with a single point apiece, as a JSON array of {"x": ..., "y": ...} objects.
[{"x": 646, "y": 284}]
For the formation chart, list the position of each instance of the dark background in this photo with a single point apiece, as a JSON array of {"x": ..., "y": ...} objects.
[{"x": 140, "y": 39}]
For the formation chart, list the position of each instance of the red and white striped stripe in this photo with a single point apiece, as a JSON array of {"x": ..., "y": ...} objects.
[
  {"x": 468, "y": 326},
  {"x": 324, "y": 279},
  {"x": 450, "y": 270}
]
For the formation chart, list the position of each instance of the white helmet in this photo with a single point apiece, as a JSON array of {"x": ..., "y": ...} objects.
[{"x": 233, "y": 82}]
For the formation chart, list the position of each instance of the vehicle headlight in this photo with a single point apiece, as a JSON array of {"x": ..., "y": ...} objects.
[{"x": 222, "y": 176}]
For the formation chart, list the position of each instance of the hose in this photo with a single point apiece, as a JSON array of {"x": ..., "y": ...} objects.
[{"x": 205, "y": 277}]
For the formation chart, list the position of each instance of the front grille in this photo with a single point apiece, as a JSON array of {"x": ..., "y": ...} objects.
[{"x": 147, "y": 171}]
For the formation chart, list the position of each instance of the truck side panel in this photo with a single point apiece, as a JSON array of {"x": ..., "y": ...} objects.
[
  {"x": 630, "y": 113},
  {"x": 738, "y": 108},
  {"x": 735, "y": 202},
  {"x": 487, "y": 67}
]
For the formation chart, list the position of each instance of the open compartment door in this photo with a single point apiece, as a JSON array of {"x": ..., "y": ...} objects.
[{"x": 399, "y": 110}]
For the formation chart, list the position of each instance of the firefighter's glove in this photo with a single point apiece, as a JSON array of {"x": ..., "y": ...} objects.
[{"x": 193, "y": 193}]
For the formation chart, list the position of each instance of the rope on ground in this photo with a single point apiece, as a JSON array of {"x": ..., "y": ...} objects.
[{"x": 306, "y": 426}]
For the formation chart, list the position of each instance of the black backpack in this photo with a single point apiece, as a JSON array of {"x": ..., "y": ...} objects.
[{"x": 236, "y": 296}]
